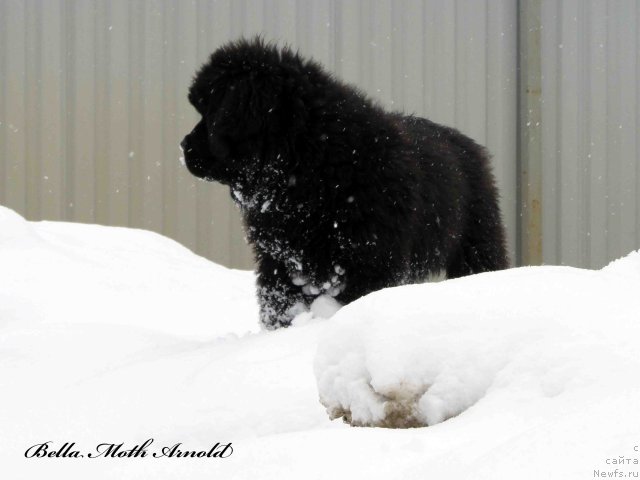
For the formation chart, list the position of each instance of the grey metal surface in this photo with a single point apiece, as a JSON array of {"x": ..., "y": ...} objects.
[
  {"x": 529, "y": 182},
  {"x": 590, "y": 127},
  {"x": 93, "y": 97}
]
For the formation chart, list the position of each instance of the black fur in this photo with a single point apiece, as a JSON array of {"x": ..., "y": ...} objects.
[{"x": 338, "y": 196}]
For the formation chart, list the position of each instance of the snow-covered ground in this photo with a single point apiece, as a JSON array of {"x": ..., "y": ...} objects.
[{"x": 111, "y": 335}]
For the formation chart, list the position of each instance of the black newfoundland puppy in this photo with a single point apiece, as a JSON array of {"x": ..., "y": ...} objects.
[{"x": 339, "y": 197}]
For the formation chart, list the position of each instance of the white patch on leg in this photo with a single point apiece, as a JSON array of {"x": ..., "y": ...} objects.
[
  {"x": 299, "y": 280},
  {"x": 436, "y": 277},
  {"x": 325, "y": 306}
]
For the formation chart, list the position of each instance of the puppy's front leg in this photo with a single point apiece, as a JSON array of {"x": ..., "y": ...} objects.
[{"x": 280, "y": 300}]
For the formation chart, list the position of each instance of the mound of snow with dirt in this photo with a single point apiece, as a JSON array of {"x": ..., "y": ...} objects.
[
  {"x": 113, "y": 335},
  {"x": 421, "y": 354}
]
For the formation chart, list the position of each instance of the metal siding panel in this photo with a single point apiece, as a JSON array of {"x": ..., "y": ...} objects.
[
  {"x": 151, "y": 182},
  {"x": 584, "y": 161},
  {"x": 443, "y": 73},
  {"x": 614, "y": 147},
  {"x": 379, "y": 52},
  {"x": 410, "y": 51},
  {"x": 14, "y": 121},
  {"x": 530, "y": 129},
  {"x": 629, "y": 128},
  {"x": 82, "y": 204},
  {"x": 397, "y": 67},
  {"x": 501, "y": 108},
  {"x": 280, "y": 20},
  {"x": 253, "y": 17},
  {"x": 118, "y": 120},
  {"x": 102, "y": 105},
  {"x": 69, "y": 55},
  {"x": 136, "y": 155},
  {"x": 313, "y": 30},
  {"x": 365, "y": 53},
  {"x": 430, "y": 69},
  {"x": 567, "y": 118},
  {"x": 471, "y": 75},
  {"x": 596, "y": 135},
  {"x": 302, "y": 33},
  {"x": 590, "y": 132},
  {"x": 347, "y": 41},
  {"x": 33, "y": 104},
  {"x": 549, "y": 41},
  {"x": 51, "y": 112}
]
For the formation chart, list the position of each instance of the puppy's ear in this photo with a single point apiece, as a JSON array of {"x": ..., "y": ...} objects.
[
  {"x": 282, "y": 102},
  {"x": 262, "y": 104},
  {"x": 272, "y": 105},
  {"x": 263, "y": 100},
  {"x": 244, "y": 106},
  {"x": 233, "y": 110}
]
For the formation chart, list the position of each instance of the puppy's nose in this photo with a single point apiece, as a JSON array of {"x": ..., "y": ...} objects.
[{"x": 184, "y": 143}]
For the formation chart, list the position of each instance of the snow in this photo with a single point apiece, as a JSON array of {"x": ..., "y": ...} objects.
[
  {"x": 425, "y": 353},
  {"x": 119, "y": 335}
]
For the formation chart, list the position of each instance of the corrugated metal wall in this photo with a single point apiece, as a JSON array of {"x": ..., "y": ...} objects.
[
  {"x": 93, "y": 105},
  {"x": 590, "y": 127}
]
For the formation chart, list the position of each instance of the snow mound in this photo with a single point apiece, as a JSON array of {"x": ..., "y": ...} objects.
[
  {"x": 419, "y": 355},
  {"x": 629, "y": 265},
  {"x": 75, "y": 273},
  {"x": 15, "y": 230}
]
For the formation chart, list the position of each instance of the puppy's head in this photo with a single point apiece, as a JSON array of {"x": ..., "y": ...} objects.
[{"x": 246, "y": 96}]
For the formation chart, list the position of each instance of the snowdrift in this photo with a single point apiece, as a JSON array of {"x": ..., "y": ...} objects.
[
  {"x": 418, "y": 355},
  {"x": 120, "y": 335}
]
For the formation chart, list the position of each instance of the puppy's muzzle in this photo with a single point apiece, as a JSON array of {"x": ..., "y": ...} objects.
[{"x": 194, "y": 161}]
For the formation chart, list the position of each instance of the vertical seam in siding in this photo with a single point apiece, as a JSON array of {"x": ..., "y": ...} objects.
[
  {"x": 456, "y": 95},
  {"x": 584, "y": 129},
  {"x": 61, "y": 111},
  {"x": 423, "y": 49},
  {"x": 557, "y": 155},
  {"x": 637, "y": 145},
  {"x": 96, "y": 132},
  {"x": 69, "y": 95},
  {"x": 607, "y": 139},
  {"x": 486, "y": 71},
  {"x": 31, "y": 131},
  {"x": 519, "y": 253}
]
